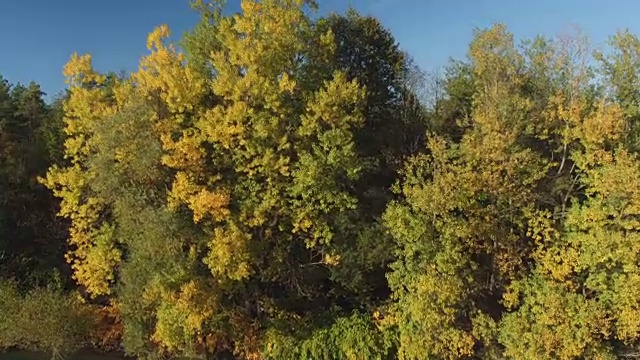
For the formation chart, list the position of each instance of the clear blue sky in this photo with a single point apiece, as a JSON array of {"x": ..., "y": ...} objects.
[{"x": 38, "y": 36}]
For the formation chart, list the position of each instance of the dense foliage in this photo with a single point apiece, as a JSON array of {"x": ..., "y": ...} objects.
[{"x": 278, "y": 187}]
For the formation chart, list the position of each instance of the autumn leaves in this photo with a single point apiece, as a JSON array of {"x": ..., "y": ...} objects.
[{"x": 241, "y": 190}]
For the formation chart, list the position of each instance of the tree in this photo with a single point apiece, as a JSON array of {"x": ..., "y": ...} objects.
[
  {"x": 282, "y": 189},
  {"x": 218, "y": 202},
  {"x": 621, "y": 69},
  {"x": 462, "y": 225},
  {"x": 32, "y": 238},
  {"x": 38, "y": 313}
]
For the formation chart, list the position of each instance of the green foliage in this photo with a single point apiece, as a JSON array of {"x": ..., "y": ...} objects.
[
  {"x": 32, "y": 240},
  {"x": 622, "y": 70},
  {"x": 211, "y": 196},
  {"x": 461, "y": 227},
  {"x": 280, "y": 190},
  {"x": 554, "y": 323},
  {"x": 43, "y": 319},
  {"x": 353, "y": 337}
]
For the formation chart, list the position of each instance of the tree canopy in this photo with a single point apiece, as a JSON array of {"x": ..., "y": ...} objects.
[{"x": 276, "y": 185}]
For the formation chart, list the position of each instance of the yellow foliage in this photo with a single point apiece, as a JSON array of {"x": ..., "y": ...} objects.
[
  {"x": 94, "y": 255},
  {"x": 183, "y": 314},
  {"x": 606, "y": 124},
  {"x": 79, "y": 71},
  {"x": 332, "y": 260},
  {"x": 201, "y": 201},
  {"x": 95, "y": 267},
  {"x": 430, "y": 306},
  {"x": 163, "y": 72},
  {"x": 186, "y": 153},
  {"x": 229, "y": 254},
  {"x": 157, "y": 36}
]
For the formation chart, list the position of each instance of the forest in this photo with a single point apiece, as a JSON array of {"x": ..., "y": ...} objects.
[{"x": 283, "y": 185}]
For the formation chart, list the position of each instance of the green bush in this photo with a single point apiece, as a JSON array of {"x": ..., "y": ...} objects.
[{"x": 43, "y": 319}]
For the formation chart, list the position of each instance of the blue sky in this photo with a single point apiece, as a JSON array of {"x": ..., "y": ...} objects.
[{"x": 38, "y": 36}]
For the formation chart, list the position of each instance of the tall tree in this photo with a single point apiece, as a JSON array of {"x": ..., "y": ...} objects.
[
  {"x": 33, "y": 238},
  {"x": 621, "y": 69},
  {"x": 581, "y": 275},
  {"x": 217, "y": 202},
  {"x": 462, "y": 226}
]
